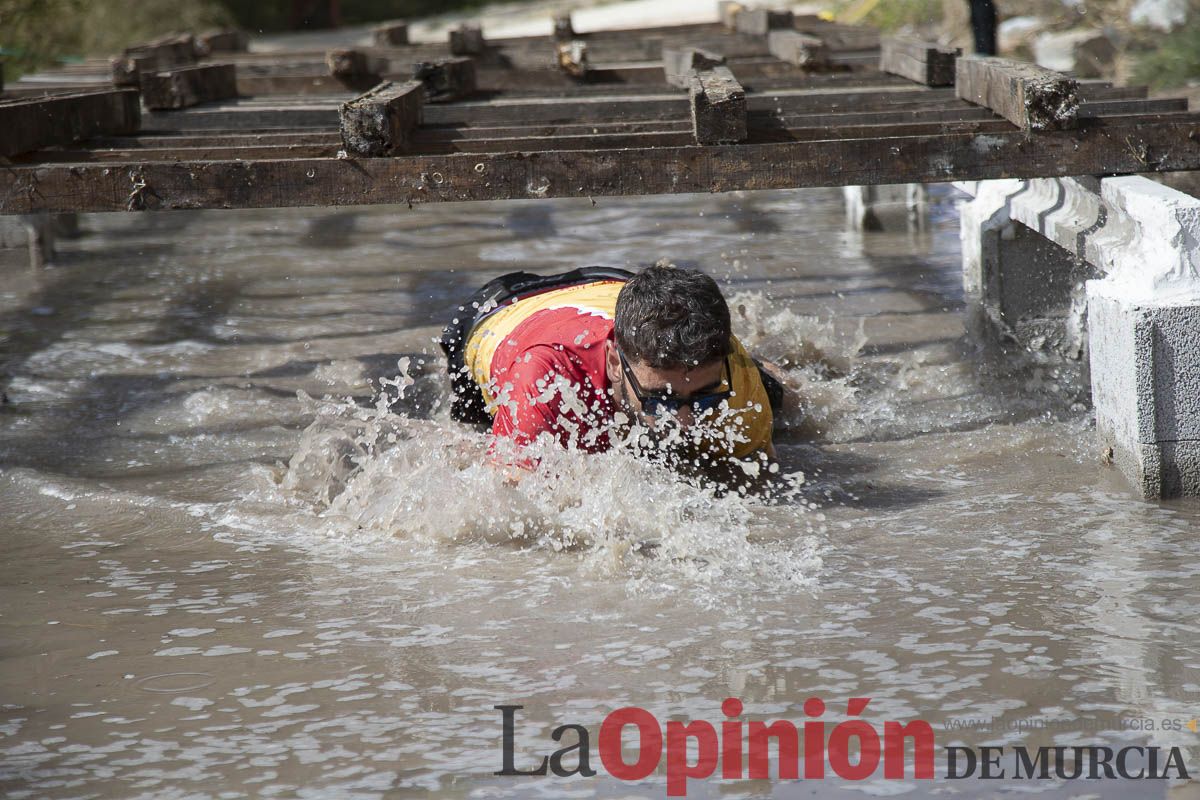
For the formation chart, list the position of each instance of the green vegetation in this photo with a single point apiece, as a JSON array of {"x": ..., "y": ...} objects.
[
  {"x": 1174, "y": 60},
  {"x": 889, "y": 15},
  {"x": 38, "y": 33}
]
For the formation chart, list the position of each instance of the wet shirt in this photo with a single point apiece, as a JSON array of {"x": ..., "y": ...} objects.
[{"x": 540, "y": 364}]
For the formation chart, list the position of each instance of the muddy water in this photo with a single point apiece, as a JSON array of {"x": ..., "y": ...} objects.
[{"x": 222, "y": 578}]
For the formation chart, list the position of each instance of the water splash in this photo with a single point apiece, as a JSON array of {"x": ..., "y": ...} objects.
[{"x": 377, "y": 471}]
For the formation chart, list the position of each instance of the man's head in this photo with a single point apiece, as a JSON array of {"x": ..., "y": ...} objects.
[{"x": 672, "y": 328}]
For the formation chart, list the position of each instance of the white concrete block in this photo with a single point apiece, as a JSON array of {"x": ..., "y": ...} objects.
[
  {"x": 1143, "y": 315},
  {"x": 1146, "y": 390},
  {"x": 901, "y": 206}
]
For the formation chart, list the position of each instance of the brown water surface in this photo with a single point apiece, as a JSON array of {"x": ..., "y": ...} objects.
[{"x": 217, "y": 584}]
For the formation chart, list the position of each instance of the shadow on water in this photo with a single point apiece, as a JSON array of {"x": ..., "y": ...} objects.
[
  {"x": 332, "y": 231},
  {"x": 844, "y": 478},
  {"x": 70, "y": 288}
]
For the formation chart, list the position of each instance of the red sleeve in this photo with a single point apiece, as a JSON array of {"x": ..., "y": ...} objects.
[{"x": 526, "y": 403}]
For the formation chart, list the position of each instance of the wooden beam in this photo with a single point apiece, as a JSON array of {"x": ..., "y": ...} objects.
[
  {"x": 274, "y": 113},
  {"x": 923, "y": 62},
  {"x": 797, "y": 48},
  {"x": 564, "y": 31},
  {"x": 381, "y": 121},
  {"x": 280, "y": 113},
  {"x": 447, "y": 78},
  {"x": 390, "y": 34},
  {"x": 429, "y": 141},
  {"x": 678, "y": 64},
  {"x": 189, "y": 86},
  {"x": 350, "y": 64},
  {"x": 761, "y": 21},
  {"x": 28, "y": 125},
  {"x": 224, "y": 41},
  {"x": 467, "y": 40},
  {"x": 164, "y": 53},
  {"x": 718, "y": 106},
  {"x": 1096, "y": 147},
  {"x": 1031, "y": 97}
]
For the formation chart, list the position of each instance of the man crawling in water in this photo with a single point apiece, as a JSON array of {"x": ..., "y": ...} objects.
[{"x": 599, "y": 357}]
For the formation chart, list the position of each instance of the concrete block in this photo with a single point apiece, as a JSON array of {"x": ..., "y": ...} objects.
[
  {"x": 1034, "y": 252},
  {"x": 1083, "y": 53},
  {"x": 1020, "y": 259},
  {"x": 35, "y": 234},
  {"x": 888, "y": 207},
  {"x": 1146, "y": 389},
  {"x": 982, "y": 220}
]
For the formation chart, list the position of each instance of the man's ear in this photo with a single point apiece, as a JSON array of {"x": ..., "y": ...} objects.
[{"x": 612, "y": 361}]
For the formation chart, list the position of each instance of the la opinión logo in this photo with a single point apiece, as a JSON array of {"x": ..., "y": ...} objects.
[
  {"x": 853, "y": 749},
  {"x": 736, "y": 739}
]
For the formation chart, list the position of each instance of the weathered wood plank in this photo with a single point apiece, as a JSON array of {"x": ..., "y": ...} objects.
[
  {"x": 354, "y": 66},
  {"x": 189, "y": 86},
  {"x": 223, "y": 41},
  {"x": 467, "y": 40},
  {"x": 499, "y": 140},
  {"x": 28, "y": 125},
  {"x": 761, "y": 21},
  {"x": 164, "y": 53},
  {"x": 390, "y": 34},
  {"x": 678, "y": 64},
  {"x": 1031, "y": 97},
  {"x": 381, "y": 121},
  {"x": 275, "y": 113},
  {"x": 923, "y": 62},
  {"x": 718, "y": 107},
  {"x": 1096, "y": 147},
  {"x": 797, "y": 48},
  {"x": 447, "y": 78}
]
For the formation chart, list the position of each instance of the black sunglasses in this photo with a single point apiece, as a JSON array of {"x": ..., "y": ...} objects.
[{"x": 657, "y": 403}]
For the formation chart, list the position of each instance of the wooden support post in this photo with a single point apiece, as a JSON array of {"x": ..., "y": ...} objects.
[
  {"x": 573, "y": 57},
  {"x": 127, "y": 70},
  {"x": 446, "y": 78},
  {"x": 922, "y": 62},
  {"x": 680, "y": 62},
  {"x": 728, "y": 11},
  {"x": 761, "y": 21},
  {"x": 564, "y": 31},
  {"x": 189, "y": 86},
  {"x": 390, "y": 34},
  {"x": 718, "y": 105},
  {"x": 225, "y": 41},
  {"x": 28, "y": 125},
  {"x": 797, "y": 48},
  {"x": 467, "y": 40},
  {"x": 165, "y": 53},
  {"x": 1028, "y": 96},
  {"x": 381, "y": 122},
  {"x": 355, "y": 69}
]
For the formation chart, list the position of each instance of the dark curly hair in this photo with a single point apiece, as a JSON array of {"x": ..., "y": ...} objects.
[{"x": 672, "y": 318}]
